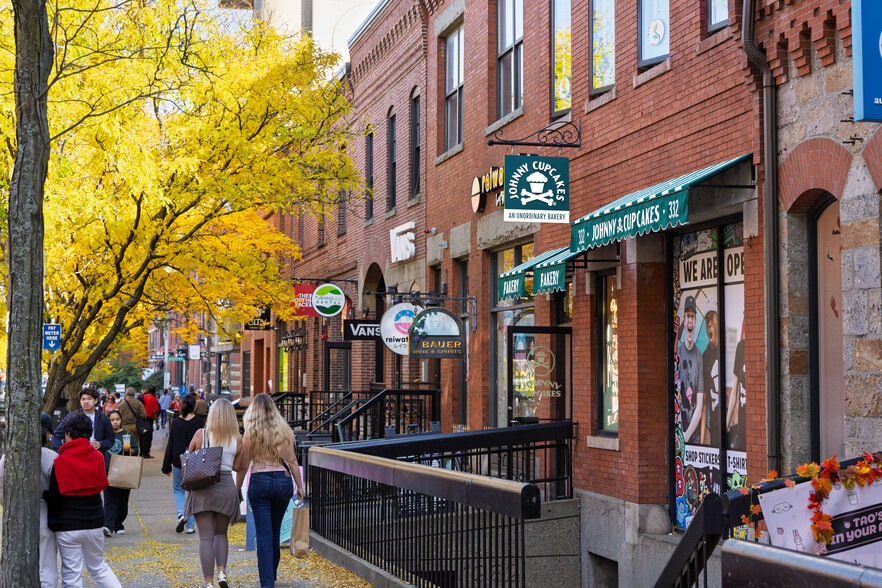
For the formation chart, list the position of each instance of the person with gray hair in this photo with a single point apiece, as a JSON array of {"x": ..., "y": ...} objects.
[{"x": 130, "y": 410}]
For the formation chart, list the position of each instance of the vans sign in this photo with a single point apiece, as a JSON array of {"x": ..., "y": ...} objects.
[{"x": 359, "y": 330}]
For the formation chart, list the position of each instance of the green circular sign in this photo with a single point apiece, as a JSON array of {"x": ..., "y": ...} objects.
[{"x": 328, "y": 300}]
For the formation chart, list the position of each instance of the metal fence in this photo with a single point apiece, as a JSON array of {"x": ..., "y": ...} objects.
[
  {"x": 538, "y": 454},
  {"x": 400, "y": 409},
  {"x": 292, "y": 406},
  {"x": 428, "y": 526}
]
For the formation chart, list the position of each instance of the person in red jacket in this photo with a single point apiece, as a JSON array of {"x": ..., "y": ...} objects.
[
  {"x": 151, "y": 407},
  {"x": 75, "y": 512}
]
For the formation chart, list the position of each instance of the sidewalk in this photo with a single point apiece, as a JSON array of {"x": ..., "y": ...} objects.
[{"x": 152, "y": 555}]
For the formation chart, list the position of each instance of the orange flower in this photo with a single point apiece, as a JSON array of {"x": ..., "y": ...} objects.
[
  {"x": 773, "y": 474},
  {"x": 789, "y": 483},
  {"x": 756, "y": 509},
  {"x": 744, "y": 491},
  {"x": 745, "y": 519}
]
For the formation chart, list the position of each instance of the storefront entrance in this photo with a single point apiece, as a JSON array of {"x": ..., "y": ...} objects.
[{"x": 539, "y": 374}]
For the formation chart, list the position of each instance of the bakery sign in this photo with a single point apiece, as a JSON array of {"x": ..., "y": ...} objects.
[
  {"x": 537, "y": 189},
  {"x": 484, "y": 185}
]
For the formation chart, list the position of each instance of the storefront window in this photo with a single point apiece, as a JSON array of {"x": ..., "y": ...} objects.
[
  {"x": 282, "y": 386},
  {"x": 655, "y": 27},
  {"x": 708, "y": 365},
  {"x": 608, "y": 351},
  {"x": 504, "y": 315},
  {"x": 561, "y": 50},
  {"x": 603, "y": 45}
]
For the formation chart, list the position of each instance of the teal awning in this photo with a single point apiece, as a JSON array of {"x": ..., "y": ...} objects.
[
  {"x": 550, "y": 275},
  {"x": 512, "y": 284},
  {"x": 651, "y": 209}
]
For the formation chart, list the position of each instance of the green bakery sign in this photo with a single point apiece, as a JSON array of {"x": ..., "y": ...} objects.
[
  {"x": 537, "y": 189},
  {"x": 328, "y": 300}
]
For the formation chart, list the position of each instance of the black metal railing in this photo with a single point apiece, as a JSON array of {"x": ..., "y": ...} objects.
[
  {"x": 746, "y": 563},
  {"x": 292, "y": 406},
  {"x": 428, "y": 526},
  {"x": 328, "y": 407},
  {"x": 402, "y": 409},
  {"x": 536, "y": 454},
  {"x": 688, "y": 564},
  {"x": 717, "y": 519}
]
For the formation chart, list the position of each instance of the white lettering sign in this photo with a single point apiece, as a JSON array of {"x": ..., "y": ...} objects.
[{"x": 401, "y": 241}]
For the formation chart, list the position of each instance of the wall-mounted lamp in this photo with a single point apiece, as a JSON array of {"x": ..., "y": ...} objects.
[{"x": 300, "y": 339}]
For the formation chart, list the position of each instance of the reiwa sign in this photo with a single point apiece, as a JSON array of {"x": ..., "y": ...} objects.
[
  {"x": 867, "y": 48},
  {"x": 436, "y": 332},
  {"x": 537, "y": 189},
  {"x": 328, "y": 300},
  {"x": 395, "y": 324}
]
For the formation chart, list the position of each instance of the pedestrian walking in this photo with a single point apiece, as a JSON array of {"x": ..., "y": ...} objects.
[
  {"x": 180, "y": 433},
  {"x": 164, "y": 403},
  {"x": 176, "y": 402},
  {"x": 217, "y": 506},
  {"x": 201, "y": 405},
  {"x": 268, "y": 448},
  {"x": 101, "y": 436},
  {"x": 110, "y": 404},
  {"x": 74, "y": 506},
  {"x": 131, "y": 409},
  {"x": 48, "y": 551},
  {"x": 151, "y": 409},
  {"x": 116, "y": 500}
]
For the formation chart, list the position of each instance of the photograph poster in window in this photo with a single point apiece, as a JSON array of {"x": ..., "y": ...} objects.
[
  {"x": 562, "y": 56},
  {"x": 656, "y": 25},
  {"x": 703, "y": 419},
  {"x": 603, "y": 44}
]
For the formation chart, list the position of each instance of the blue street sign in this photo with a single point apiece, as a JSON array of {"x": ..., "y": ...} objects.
[
  {"x": 51, "y": 337},
  {"x": 867, "y": 62}
]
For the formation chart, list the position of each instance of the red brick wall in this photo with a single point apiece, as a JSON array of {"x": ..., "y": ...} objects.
[{"x": 699, "y": 113}]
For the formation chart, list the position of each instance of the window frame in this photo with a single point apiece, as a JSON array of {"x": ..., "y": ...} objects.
[
  {"x": 458, "y": 90},
  {"x": 369, "y": 176},
  {"x": 516, "y": 49},
  {"x": 391, "y": 161},
  {"x": 341, "y": 212},
  {"x": 415, "y": 146},
  {"x": 713, "y": 27},
  {"x": 597, "y": 91},
  {"x": 562, "y": 112},
  {"x": 646, "y": 63},
  {"x": 600, "y": 305}
]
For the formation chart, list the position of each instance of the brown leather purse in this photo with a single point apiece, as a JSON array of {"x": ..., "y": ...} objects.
[{"x": 201, "y": 468}]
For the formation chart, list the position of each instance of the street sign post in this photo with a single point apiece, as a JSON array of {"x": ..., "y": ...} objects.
[{"x": 51, "y": 337}]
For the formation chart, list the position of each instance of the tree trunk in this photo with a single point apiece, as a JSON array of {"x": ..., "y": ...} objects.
[{"x": 19, "y": 564}]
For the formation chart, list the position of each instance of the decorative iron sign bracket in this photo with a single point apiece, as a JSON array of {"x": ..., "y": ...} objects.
[
  {"x": 555, "y": 134},
  {"x": 434, "y": 298}
]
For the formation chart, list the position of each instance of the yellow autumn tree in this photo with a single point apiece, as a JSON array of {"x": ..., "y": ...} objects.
[{"x": 175, "y": 131}]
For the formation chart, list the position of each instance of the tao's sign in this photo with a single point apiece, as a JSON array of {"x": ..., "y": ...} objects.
[{"x": 436, "y": 332}]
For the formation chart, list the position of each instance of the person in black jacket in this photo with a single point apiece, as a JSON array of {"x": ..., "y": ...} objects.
[
  {"x": 180, "y": 433},
  {"x": 74, "y": 510},
  {"x": 101, "y": 435}
]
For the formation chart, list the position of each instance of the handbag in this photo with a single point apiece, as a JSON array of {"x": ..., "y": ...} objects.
[
  {"x": 143, "y": 426},
  {"x": 124, "y": 471},
  {"x": 201, "y": 468}
]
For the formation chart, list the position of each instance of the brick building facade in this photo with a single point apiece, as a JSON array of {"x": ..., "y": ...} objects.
[{"x": 681, "y": 112}]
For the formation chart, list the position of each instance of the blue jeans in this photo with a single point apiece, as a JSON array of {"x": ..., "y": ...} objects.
[
  {"x": 268, "y": 496},
  {"x": 180, "y": 496}
]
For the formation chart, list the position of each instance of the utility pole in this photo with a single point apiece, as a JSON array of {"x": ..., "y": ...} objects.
[{"x": 166, "y": 376}]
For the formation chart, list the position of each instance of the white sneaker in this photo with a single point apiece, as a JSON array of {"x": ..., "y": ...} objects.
[
  {"x": 107, "y": 532},
  {"x": 190, "y": 530},
  {"x": 121, "y": 532},
  {"x": 222, "y": 580}
]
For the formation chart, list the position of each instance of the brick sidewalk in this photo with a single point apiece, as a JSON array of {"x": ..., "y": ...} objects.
[{"x": 152, "y": 555}]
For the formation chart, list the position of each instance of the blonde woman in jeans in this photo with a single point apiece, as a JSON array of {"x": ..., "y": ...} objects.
[
  {"x": 217, "y": 506},
  {"x": 268, "y": 447}
]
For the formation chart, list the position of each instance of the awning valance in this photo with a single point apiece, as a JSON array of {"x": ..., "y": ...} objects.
[
  {"x": 651, "y": 209},
  {"x": 512, "y": 284},
  {"x": 548, "y": 269}
]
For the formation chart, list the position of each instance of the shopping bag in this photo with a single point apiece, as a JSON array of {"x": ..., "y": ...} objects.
[
  {"x": 300, "y": 532},
  {"x": 124, "y": 471}
]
